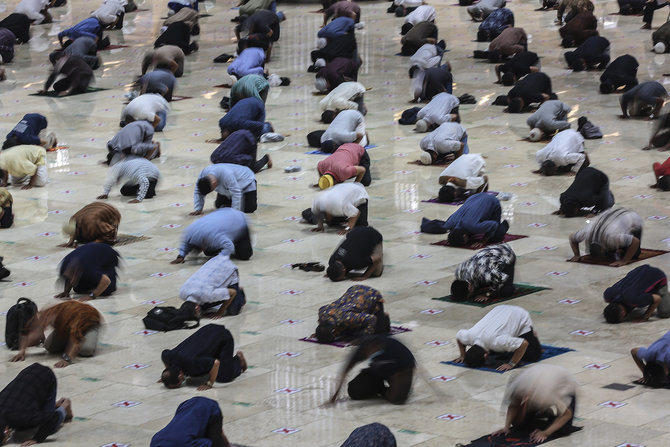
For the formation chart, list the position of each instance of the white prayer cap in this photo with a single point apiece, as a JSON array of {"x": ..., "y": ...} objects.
[
  {"x": 321, "y": 84},
  {"x": 659, "y": 48},
  {"x": 421, "y": 126},
  {"x": 535, "y": 134}
]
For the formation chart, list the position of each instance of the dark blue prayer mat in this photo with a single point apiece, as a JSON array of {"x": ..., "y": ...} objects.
[
  {"x": 514, "y": 439},
  {"x": 494, "y": 361}
]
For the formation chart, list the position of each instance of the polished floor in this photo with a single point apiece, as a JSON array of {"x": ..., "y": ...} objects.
[{"x": 287, "y": 391}]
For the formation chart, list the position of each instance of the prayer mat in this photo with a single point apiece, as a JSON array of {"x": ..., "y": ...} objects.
[
  {"x": 519, "y": 291},
  {"x": 54, "y": 94},
  {"x": 343, "y": 343},
  {"x": 57, "y": 148},
  {"x": 125, "y": 239},
  {"x": 442, "y": 163},
  {"x": 516, "y": 438},
  {"x": 319, "y": 152},
  {"x": 180, "y": 98},
  {"x": 494, "y": 360},
  {"x": 114, "y": 47},
  {"x": 645, "y": 253},
  {"x": 458, "y": 202},
  {"x": 508, "y": 238}
]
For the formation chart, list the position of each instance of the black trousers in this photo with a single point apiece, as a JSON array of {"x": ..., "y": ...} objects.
[
  {"x": 508, "y": 287},
  {"x": 362, "y": 218},
  {"x": 132, "y": 190},
  {"x": 230, "y": 367},
  {"x": 365, "y": 162},
  {"x": 258, "y": 164},
  {"x": 369, "y": 384},
  {"x": 534, "y": 349},
  {"x": 243, "y": 248},
  {"x": 78, "y": 83},
  {"x": 649, "y": 8},
  {"x": 249, "y": 201},
  {"x": 7, "y": 218}
]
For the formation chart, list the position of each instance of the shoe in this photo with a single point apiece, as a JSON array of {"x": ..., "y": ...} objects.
[
  {"x": 426, "y": 158},
  {"x": 288, "y": 169},
  {"x": 271, "y": 137}
]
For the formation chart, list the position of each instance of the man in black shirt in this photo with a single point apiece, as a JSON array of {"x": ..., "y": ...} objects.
[
  {"x": 533, "y": 88},
  {"x": 594, "y": 52},
  {"x": 590, "y": 188},
  {"x": 29, "y": 402},
  {"x": 517, "y": 67},
  {"x": 207, "y": 351},
  {"x": 77, "y": 76},
  {"x": 622, "y": 72},
  {"x": 362, "y": 248},
  {"x": 391, "y": 362}
]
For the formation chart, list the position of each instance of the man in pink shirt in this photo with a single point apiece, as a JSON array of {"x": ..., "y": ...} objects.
[
  {"x": 349, "y": 160},
  {"x": 662, "y": 175}
]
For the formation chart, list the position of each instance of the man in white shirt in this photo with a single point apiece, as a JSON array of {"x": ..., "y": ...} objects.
[
  {"x": 504, "y": 329},
  {"x": 465, "y": 176},
  {"x": 565, "y": 152},
  {"x": 346, "y": 96},
  {"x": 110, "y": 13},
  {"x": 442, "y": 108},
  {"x": 450, "y": 140},
  {"x": 424, "y": 13},
  {"x": 150, "y": 107},
  {"x": 36, "y": 10},
  {"x": 342, "y": 202}
]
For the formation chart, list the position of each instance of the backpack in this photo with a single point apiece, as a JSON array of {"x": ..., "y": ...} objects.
[
  {"x": 169, "y": 318},
  {"x": 18, "y": 317}
]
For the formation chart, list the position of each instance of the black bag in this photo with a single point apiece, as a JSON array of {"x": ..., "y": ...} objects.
[
  {"x": 18, "y": 317},
  {"x": 169, "y": 318}
]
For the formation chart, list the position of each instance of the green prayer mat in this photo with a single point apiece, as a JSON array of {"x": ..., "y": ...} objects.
[
  {"x": 54, "y": 94},
  {"x": 519, "y": 290}
]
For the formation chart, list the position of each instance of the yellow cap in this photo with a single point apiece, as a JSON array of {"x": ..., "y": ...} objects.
[{"x": 326, "y": 181}]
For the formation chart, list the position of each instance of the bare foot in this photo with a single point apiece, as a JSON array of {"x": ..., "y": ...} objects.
[
  {"x": 269, "y": 163},
  {"x": 243, "y": 361}
]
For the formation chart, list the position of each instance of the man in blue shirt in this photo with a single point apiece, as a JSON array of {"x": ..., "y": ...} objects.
[
  {"x": 644, "y": 286},
  {"x": 653, "y": 361},
  {"x": 89, "y": 27},
  {"x": 247, "y": 113},
  {"x": 223, "y": 231},
  {"x": 27, "y": 131},
  {"x": 235, "y": 186},
  {"x": 479, "y": 215},
  {"x": 197, "y": 421}
]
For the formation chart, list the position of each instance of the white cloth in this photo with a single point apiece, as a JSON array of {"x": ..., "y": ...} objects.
[
  {"x": 566, "y": 148},
  {"x": 424, "y": 13},
  {"x": 109, "y": 10},
  {"x": 499, "y": 330},
  {"x": 340, "y": 200},
  {"x": 341, "y": 97},
  {"x": 425, "y": 57},
  {"x": 469, "y": 167},
  {"x": 41, "y": 173},
  {"x": 32, "y": 9},
  {"x": 444, "y": 139},
  {"x": 210, "y": 283},
  {"x": 547, "y": 387},
  {"x": 145, "y": 107},
  {"x": 438, "y": 110}
]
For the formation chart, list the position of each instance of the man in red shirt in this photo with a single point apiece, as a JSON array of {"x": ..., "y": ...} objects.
[
  {"x": 662, "y": 175},
  {"x": 349, "y": 160}
]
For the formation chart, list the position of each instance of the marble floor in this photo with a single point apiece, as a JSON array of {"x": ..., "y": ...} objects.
[{"x": 287, "y": 392}]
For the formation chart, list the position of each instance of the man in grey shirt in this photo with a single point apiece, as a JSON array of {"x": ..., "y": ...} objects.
[
  {"x": 133, "y": 139},
  {"x": 84, "y": 47},
  {"x": 549, "y": 118},
  {"x": 615, "y": 236},
  {"x": 347, "y": 127},
  {"x": 646, "y": 98}
]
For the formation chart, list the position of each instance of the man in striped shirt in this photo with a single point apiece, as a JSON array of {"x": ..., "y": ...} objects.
[
  {"x": 614, "y": 236},
  {"x": 139, "y": 177}
]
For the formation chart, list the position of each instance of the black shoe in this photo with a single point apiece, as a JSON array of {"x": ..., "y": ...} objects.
[{"x": 223, "y": 58}]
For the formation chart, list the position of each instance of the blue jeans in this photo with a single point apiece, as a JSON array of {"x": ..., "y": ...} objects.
[{"x": 163, "y": 116}]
